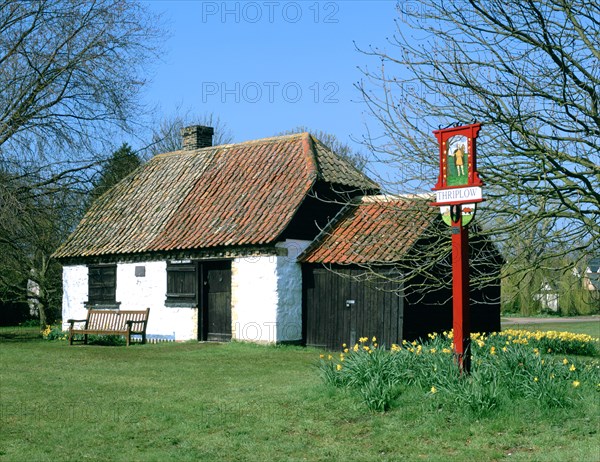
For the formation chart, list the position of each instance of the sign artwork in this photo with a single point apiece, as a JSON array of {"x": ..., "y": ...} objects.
[{"x": 458, "y": 181}]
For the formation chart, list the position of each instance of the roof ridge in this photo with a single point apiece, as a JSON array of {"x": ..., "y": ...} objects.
[{"x": 268, "y": 140}]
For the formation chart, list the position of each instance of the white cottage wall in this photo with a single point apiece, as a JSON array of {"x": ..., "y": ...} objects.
[
  {"x": 75, "y": 293},
  {"x": 254, "y": 298},
  {"x": 289, "y": 290},
  {"x": 134, "y": 293},
  {"x": 266, "y": 296},
  {"x": 149, "y": 291}
]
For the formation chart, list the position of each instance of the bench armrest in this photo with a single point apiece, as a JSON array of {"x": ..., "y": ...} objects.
[{"x": 72, "y": 321}]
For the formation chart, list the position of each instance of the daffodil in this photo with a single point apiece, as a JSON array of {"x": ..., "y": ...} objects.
[
  {"x": 576, "y": 383},
  {"x": 433, "y": 390}
]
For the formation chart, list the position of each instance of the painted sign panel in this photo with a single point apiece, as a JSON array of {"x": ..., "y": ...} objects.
[
  {"x": 466, "y": 215},
  {"x": 458, "y": 160}
]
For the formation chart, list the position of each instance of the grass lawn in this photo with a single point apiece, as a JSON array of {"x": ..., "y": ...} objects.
[
  {"x": 591, "y": 328},
  {"x": 242, "y": 402}
]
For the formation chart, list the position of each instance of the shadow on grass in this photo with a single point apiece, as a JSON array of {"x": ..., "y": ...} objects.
[{"x": 20, "y": 334}]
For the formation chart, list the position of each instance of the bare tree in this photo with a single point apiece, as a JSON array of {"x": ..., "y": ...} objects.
[
  {"x": 31, "y": 228},
  {"x": 530, "y": 73},
  {"x": 70, "y": 71},
  {"x": 355, "y": 157},
  {"x": 70, "y": 76},
  {"x": 166, "y": 137}
]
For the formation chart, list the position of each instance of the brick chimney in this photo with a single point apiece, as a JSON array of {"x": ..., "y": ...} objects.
[{"x": 196, "y": 137}]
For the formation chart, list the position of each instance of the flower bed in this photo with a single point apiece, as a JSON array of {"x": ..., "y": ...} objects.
[{"x": 506, "y": 367}]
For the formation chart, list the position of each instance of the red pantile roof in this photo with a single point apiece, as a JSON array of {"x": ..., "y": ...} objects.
[
  {"x": 375, "y": 229},
  {"x": 240, "y": 194}
]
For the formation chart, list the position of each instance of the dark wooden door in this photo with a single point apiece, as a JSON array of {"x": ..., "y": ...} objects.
[{"x": 216, "y": 297}]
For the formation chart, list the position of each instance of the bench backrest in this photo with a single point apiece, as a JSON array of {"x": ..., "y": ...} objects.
[{"x": 116, "y": 320}]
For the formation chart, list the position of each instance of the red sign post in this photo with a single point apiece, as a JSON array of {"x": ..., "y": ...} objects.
[{"x": 457, "y": 191}]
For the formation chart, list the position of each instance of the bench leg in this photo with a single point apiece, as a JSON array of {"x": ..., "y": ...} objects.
[
  {"x": 85, "y": 339},
  {"x": 70, "y": 337}
]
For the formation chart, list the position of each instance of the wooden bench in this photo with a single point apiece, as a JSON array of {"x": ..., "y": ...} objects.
[{"x": 111, "y": 322}]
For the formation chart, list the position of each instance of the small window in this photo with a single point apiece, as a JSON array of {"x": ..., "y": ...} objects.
[
  {"x": 181, "y": 283},
  {"x": 102, "y": 285}
]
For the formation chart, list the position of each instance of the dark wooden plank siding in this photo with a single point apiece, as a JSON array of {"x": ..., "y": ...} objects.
[
  {"x": 330, "y": 321},
  {"x": 378, "y": 310}
]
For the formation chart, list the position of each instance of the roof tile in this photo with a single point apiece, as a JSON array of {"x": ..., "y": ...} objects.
[
  {"x": 240, "y": 194},
  {"x": 378, "y": 229}
]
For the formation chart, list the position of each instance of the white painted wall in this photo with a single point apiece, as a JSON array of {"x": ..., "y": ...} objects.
[
  {"x": 254, "y": 298},
  {"x": 134, "y": 293},
  {"x": 289, "y": 289},
  {"x": 149, "y": 291},
  {"x": 75, "y": 293},
  {"x": 266, "y": 296}
]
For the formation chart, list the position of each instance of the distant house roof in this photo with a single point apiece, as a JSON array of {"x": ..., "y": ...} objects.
[
  {"x": 594, "y": 265},
  {"x": 239, "y": 194},
  {"x": 375, "y": 229},
  {"x": 592, "y": 274}
]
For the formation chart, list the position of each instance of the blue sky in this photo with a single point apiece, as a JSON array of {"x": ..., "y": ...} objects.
[{"x": 266, "y": 67}]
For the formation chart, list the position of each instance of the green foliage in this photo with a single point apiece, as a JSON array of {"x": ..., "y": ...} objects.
[
  {"x": 122, "y": 162},
  {"x": 558, "y": 287},
  {"x": 508, "y": 367},
  {"x": 54, "y": 333},
  {"x": 479, "y": 392},
  {"x": 106, "y": 340}
]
